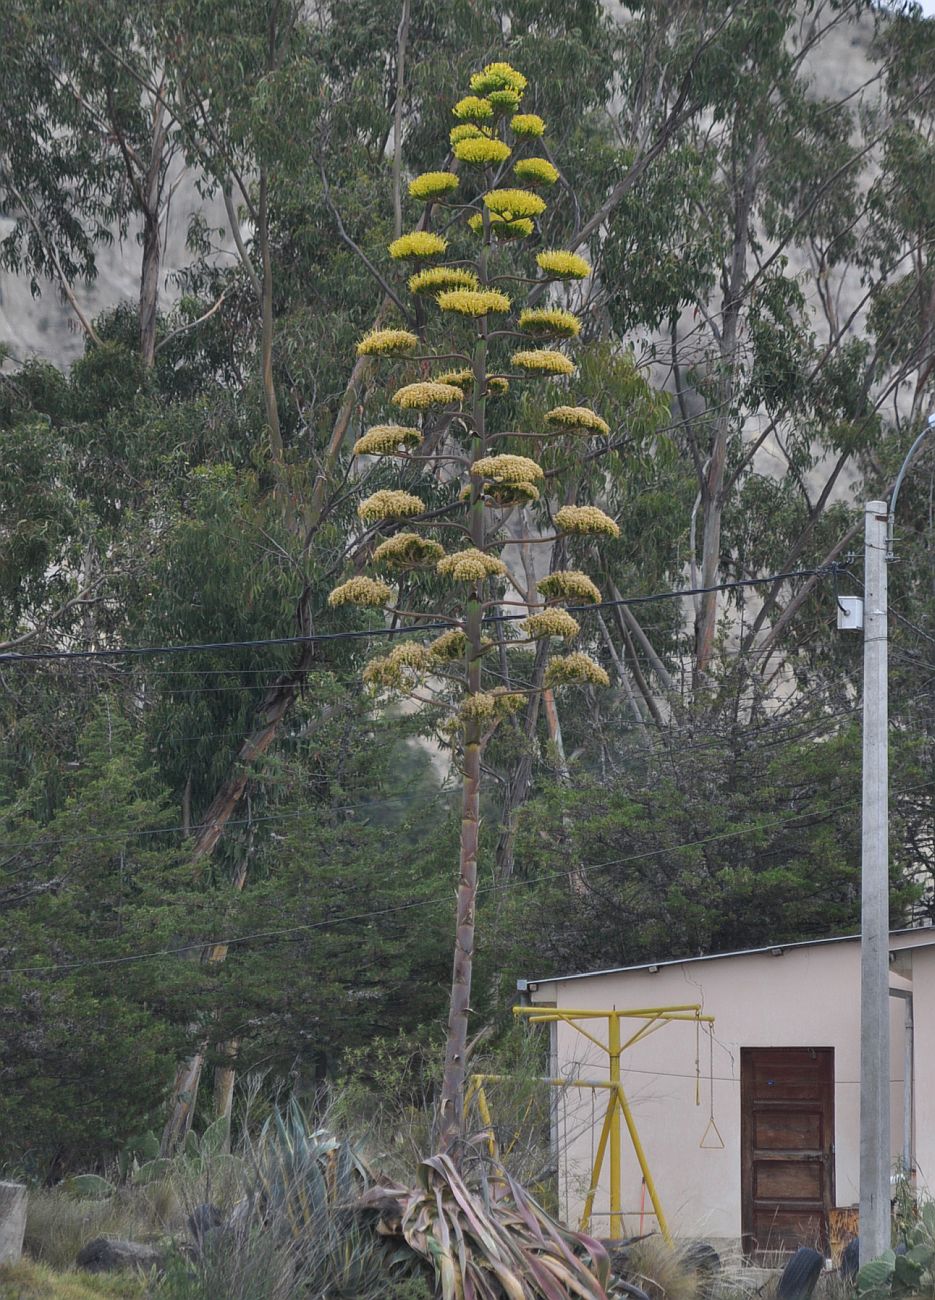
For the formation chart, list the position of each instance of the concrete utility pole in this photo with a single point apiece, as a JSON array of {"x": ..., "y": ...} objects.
[{"x": 875, "y": 921}]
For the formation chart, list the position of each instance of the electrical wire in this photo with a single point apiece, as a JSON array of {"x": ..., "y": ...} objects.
[
  {"x": 781, "y": 730},
  {"x": 437, "y": 900},
  {"x": 10, "y": 657}
]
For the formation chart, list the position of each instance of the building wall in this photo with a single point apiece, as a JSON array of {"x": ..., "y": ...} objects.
[
  {"x": 808, "y": 997},
  {"x": 923, "y": 987}
]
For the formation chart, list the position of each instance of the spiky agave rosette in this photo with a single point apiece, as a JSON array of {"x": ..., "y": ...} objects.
[{"x": 468, "y": 317}]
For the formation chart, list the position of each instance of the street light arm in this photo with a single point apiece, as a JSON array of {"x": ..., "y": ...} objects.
[{"x": 891, "y": 522}]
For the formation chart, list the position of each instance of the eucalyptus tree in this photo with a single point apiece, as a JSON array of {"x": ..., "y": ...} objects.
[
  {"x": 734, "y": 248},
  {"x": 87, "y": 149}
]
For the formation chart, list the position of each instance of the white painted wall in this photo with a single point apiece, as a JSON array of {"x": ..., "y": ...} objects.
[{"x": 808, "y": 997}]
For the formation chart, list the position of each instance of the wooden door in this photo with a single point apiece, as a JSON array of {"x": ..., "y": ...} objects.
[{"x": 787, "y": 1146}]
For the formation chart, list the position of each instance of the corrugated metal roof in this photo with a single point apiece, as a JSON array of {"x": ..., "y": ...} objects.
[{"x": 523, "y": 985}]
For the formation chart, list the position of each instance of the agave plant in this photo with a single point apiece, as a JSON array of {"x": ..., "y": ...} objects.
[
  {"x": 308, "y": 1185},
  {"x": 492, "y": 1241},
  {"x": 483, "y": 1240}
]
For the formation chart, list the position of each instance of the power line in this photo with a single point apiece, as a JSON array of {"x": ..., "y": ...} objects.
[
  {"x": 120, "y": 831},
  {"x": 10, "y": 657},
  {"x": 780, "y": 730},
  {"x": 415, "y": 904}
]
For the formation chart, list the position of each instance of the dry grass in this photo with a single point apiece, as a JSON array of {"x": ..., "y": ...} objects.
[
  {"x": 58, "y": 1224},
  {"x": 28, "y": 1280},
  {"x": 664, "y": 1272}
]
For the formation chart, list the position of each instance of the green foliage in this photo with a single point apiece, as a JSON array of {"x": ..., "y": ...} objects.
[
  {"x": 201, "y": 1161},
  {"x": 30, "y": 1281},
  {"x": 91, "y": 1186},
  {"x": 733, "y": 843},
  {"x": 908, "y": 1273},
  {"x": 876, "y": 1276},
  {"x": 96, "y": 874}
]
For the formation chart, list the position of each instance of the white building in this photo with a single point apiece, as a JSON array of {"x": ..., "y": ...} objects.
[{"x": 781, "y": 1068}]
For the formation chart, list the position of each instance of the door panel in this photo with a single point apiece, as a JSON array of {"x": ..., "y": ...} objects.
[
  {"x": 787, "y": 1146},
  {"x": 784, "y": 1181},
  {"x": 775, "y": 1132}
]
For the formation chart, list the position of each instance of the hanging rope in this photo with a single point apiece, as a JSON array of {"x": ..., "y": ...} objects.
[{"x": 711, "y": 1139}]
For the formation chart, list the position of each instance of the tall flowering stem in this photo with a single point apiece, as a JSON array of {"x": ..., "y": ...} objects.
[
  {"x": 489, "y": 135},
  {"x": 451, "y": 1110}
]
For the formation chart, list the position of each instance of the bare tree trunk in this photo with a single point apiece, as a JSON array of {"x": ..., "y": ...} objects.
[
  {"x": 266, "y": 338},
  {"x": 224, "y": 1077},
  {"x": 712, "y": 493},
  {"x": 624, "y": 680},
  {"x": 149, "y": 289},
  {"x": 402, "y": 37},
  {"x": 184, "y": 1095},
  {"x": 151, "y": 202}
]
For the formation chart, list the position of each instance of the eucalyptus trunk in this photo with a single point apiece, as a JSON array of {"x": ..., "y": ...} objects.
[{"x": 150, "y": 193}]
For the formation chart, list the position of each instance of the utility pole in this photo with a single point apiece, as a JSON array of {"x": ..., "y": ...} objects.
[{"x": 875, "y": 921}]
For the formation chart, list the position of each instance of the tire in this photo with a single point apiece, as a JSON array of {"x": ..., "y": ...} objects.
[
  {"x": 703, "y": 1258},
  {"x": 850, "y": 1260},
  {"x": 800, "y": 1275},
  {"x": 620, "y": 1287}
]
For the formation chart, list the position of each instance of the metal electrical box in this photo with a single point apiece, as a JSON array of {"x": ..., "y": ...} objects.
[{"x": 850, "y": 613}]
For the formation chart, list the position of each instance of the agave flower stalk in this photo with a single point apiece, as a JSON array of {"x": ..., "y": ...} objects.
[{"x": 454, "y": 404}]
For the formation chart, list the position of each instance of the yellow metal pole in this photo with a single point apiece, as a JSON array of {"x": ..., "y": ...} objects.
[
  {"x": 485, "y": 1116},
  {"x": 613, "y": 1048},
  {"x": 644, "y": 1166},
  {"x": 598, "y": 1162}
]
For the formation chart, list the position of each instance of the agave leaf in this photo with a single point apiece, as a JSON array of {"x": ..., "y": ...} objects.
[
  {"x": 466, "y": 1201},
  {"x": 571, "y": 1280},
  {"x": 441, "y": 1231},
  {"x": 546, "y": 1283},
  {"x": 545, "y": 1228},
  {"x": 344, "y": 1172},
  {"x": 508, "y": 1280},
  {"x": 283, "y": 1137},
  {"x": 444, "y": 1270},
  {"x": 485, "y": 1279},
  {"x": 600, "y": 1259}
]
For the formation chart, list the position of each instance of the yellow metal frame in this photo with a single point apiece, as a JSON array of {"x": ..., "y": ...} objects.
[{"x": 617, "y": 1103}]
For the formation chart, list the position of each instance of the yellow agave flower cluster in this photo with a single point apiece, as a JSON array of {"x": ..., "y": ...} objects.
[
  {"x": 508, "y": 480},
  {"x": 403, "y": 666},
  {"x": 491, "y": 134},
  {"x": 491, "y": 706}
]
